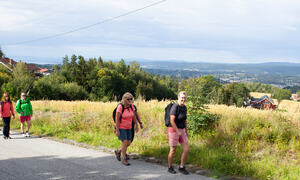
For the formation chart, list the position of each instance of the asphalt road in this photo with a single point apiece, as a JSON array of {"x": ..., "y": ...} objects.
[{"x": 37, "y": 158}]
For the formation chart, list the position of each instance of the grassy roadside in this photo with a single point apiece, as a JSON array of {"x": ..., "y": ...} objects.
[{"x": 246, "y": 142}]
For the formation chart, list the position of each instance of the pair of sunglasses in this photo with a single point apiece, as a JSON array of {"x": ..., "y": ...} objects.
[{"x": 130, "y": 99}]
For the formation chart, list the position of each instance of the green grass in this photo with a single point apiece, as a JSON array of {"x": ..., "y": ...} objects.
[{"x": 262, "y": 146}]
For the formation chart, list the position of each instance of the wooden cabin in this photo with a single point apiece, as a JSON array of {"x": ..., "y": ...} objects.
[{"x": 265, "y": 102}]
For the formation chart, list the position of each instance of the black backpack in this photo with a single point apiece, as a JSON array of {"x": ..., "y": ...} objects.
[
  {"x": 167, "y": 114},
  {"x": 123, "y": 108}
]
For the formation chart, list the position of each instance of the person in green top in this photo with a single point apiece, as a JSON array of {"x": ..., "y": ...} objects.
[{"x": 25, "y": 112}]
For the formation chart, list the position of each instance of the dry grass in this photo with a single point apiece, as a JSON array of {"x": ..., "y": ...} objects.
[{"x": 263, "y": 144}]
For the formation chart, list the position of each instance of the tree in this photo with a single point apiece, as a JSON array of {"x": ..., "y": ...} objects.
[
  {"x": 73, "y": 68},
  {"x": 2, "y": 55},
  {"x": 205, "y": 88},
  {"x": 236, "y": 93},
  {"x": 21, "y": 81},
  {"x": 281, "y": 94},
  {"x": 81, "y": 72}
]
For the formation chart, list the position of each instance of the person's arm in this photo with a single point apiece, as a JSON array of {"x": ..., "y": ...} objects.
[
  {"x": 172, "y": 120},
  {"x": 118, "y": 116},
  {"x": 18, "y": 107},
  {"x": 12, "y": 110},
  {"x": 1, "y": 109},
  {"x": 30, "y": 108},
  {"x": 139, "y": 119},
  {"x": 136, "y": 127}
]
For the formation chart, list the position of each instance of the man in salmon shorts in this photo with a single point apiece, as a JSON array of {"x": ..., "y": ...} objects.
[{"x": 178, "y": 133}]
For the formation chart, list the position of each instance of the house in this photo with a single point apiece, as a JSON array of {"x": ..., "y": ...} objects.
[
  {"x": 10, "y": 64},
  {"x": 295, "y": 97},
  {"x": 262, "y": 103},
  {"x": 45, "y": 71},
  {"x": 32, "y": 68}
]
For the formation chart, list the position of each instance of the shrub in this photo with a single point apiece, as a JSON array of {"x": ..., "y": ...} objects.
[
  {"x": 198, "y": 118},
  {"x": 72, "y": 91}
]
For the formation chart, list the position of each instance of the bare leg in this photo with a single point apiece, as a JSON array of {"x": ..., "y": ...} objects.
[
  {"x": 123, "y": 148},
  {"x": 186, "y": 149},
  {"x": 22, "y": 127},
  {"x": 28, "y": 125},
  {"x": 171, "y": 155},
  {"x": 125, "y": 144}
]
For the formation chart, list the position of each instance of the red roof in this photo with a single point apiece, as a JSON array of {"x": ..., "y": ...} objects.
[
  {"x": 43, "y": 70},
  {"x": 8, "y": 61},
  {"x": 12, "y": 63},
  {"x": 32, "y": 67}
]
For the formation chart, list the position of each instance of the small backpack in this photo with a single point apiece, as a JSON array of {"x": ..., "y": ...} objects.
[
  {"x": 167, "y": 114},
  {"x": 115, "y": 111}
]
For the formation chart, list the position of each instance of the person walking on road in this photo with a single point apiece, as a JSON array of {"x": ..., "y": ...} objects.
[
  {"x": 24, "y": 109},
  {"x": 178, "y": 133},
  {"x": 138, "y": 119},
  {"x": 6, "y": 111},
  {"x": 124, "y": 119}
]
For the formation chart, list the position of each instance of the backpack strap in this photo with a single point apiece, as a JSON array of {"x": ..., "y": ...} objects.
[{"x": 133, "y": 106}]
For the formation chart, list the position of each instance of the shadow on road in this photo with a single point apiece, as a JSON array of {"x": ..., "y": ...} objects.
[{"x": 107, "y": 167}]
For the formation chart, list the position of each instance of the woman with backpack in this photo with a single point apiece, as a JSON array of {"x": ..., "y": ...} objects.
[
  {"x": 25, "y": 112},
  {"x": 177, "y": 132},
  {"x": 7, "y": 110},
  {"x": 138, "y": 119},
  {"x": 125, "y": 116}
]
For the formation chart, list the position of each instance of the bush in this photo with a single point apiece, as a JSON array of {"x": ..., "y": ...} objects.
[
  {"x": 72, "y": 91},
  {"x": 47, "y": 88},
  {"x": 198, "y": 118}
]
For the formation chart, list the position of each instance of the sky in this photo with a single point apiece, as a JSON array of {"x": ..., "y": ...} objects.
[{"x": 216, "y": 31}]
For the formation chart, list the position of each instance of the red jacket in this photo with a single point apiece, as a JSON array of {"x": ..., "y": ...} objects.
[{"x": 7, "y": 109}]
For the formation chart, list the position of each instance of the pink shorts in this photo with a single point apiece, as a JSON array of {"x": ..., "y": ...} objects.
[
  {"x": 25, "y": 118},
  {"x": 174, "y": 138}
]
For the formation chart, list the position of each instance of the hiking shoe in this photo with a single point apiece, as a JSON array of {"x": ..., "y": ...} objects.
[
  {"x": 183, "y": 170},
  {"x": 125, "y": 162},
  {"x": 127, "y": 157},
  {"x": 118, "y": 155},
  {"x": 171, "y": 170},
  {"x": 27, "y": 134}
]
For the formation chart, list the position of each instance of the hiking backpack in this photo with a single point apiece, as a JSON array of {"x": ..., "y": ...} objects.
[
  {"x": 115, "y": 111},
  {"x": 167, "y": 114}
]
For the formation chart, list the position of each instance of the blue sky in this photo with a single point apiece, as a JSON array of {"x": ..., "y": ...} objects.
[{"x": 231, "y": 31}]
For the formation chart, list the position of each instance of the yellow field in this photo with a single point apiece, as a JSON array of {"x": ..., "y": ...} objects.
[{"x": 262, "y": 144}]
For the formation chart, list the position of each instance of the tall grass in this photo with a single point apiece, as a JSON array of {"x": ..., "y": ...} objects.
[{"x": 245, "y": 142}]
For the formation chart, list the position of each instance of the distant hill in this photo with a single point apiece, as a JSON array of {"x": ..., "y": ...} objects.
[{"x": 261, "y": 68}]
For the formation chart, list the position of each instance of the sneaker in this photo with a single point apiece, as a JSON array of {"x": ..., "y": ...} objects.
[
  {"x": 27, "y": 134},
  {"x": 171, "y": 170},
  {"x": 8, "y": 137},
  {"x": 125, "y": 162},
  {"x": 118, "y": 154},
  {"x": 4, "y": 137},
  {"x": 183, "y": 170},
  {"x": 23, "y": 134}
]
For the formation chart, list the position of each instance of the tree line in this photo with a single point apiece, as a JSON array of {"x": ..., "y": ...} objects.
[{"x": 94, "y": 79}]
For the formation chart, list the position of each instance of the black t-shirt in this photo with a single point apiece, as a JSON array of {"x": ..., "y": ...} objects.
[{"x": 180, "y": 113}]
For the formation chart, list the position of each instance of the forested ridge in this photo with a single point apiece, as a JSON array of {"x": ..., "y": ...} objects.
[{"x": 79, "y": 78}]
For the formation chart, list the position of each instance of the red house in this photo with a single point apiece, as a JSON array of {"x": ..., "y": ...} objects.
[
  {"x": 262, "y": 103},
  {"x": 10, "y": 64}
]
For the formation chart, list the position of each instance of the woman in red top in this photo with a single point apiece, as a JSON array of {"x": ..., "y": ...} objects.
[
  {"x": 7, "y": 110},
  {"x": 124, "y": 120}
]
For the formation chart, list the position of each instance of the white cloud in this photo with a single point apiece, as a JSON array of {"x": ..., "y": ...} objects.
[{"x": 210, "y": 29}]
